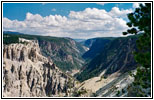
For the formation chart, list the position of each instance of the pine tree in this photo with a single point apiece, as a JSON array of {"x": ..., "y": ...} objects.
[{"x": 140, "y": 23}]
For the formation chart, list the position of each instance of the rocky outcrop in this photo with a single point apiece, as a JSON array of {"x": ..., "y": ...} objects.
[
  {"x": 26, "y": 73},
  {"x": 117, "y": 87},
  {"x": 65, "y": 52}
]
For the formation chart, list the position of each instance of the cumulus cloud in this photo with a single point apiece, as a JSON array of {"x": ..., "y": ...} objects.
[
  {"x": 116, "y": 12},
  {"x": 89, "y": 23},
  {"x": 90, "y": 14}
]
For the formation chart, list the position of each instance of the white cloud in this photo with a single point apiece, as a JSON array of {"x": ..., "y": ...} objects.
[
  {"x": 116, "y": 12},
  {"x": 89, "y": 23},
  {"x": 90, "y": 14},
  {"x": 13, "y": 24}
]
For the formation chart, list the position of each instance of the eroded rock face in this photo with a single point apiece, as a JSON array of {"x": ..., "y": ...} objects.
[
  {"x": 26, "y": 73},
  {"x": 65, "y": 52}
]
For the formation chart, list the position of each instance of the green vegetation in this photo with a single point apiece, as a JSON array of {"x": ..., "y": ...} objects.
[
  {"x": 11, "y": 38},
  {"x": 123, "y": 91},
  {"x": 61, "y": 50},
  {"x": 118, "y": 93},
  {"x": 8, "y": 39},
  {"x": 140, "y": 22},
  {"x": 98, "y": 45},
  {"x": 94, "y": 95},
  {"x": 111, "y": 58},
  {"x": 70, "y": 84},
  {"x": 62, "y": 64},
  {"x": 103, "y": 77},
  {"x": 79, "y": 92}
]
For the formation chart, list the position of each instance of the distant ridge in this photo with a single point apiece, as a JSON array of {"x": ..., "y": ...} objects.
[
  {"x": 79, "y": 40},
  {"x": 10, "y": 32}
]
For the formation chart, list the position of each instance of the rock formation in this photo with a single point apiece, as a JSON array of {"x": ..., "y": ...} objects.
[{"x": 26, "y": 73}]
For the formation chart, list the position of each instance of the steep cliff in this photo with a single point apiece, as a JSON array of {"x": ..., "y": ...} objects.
[
  {"x": 26, "y": 73},
  {"x": 65, "y": 52},
  {"x": 107, "y": 75},
  {"x": 96, "y": 45},
  {"x": 116, "y": 56}
]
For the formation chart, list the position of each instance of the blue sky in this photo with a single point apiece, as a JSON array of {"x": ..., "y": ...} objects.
[
  {"x": 18, "y": 10},
  {"x": 75, "y": 20}
]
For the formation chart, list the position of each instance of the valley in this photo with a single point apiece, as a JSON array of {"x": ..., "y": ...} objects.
[
  {"x": 76, "y": 50},
  {"x": 64, "y": 67}
]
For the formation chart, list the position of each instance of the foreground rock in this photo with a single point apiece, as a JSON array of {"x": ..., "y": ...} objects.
[
  {"x": 115, "y": 85},
  {"x": 26, "y": 73}
]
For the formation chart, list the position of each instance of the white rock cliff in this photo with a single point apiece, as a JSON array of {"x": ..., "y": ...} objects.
[{"x": 26, "y": 73}]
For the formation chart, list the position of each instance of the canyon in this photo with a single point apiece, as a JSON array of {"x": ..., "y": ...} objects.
[{"x": 37, "y": 66}]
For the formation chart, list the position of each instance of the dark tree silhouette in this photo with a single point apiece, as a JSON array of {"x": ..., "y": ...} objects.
[{"x": 140, "y": 23}]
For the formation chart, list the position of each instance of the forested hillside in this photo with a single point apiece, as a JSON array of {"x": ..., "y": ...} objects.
[
  {"x": 65, "y": 52},
  {"x": 116, "y": 56}
]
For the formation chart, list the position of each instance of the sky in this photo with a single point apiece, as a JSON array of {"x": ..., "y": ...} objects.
[{"x": 75, "y": 20}]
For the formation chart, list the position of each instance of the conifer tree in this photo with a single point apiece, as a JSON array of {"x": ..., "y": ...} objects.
[{"x": 140, "y": 23}]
